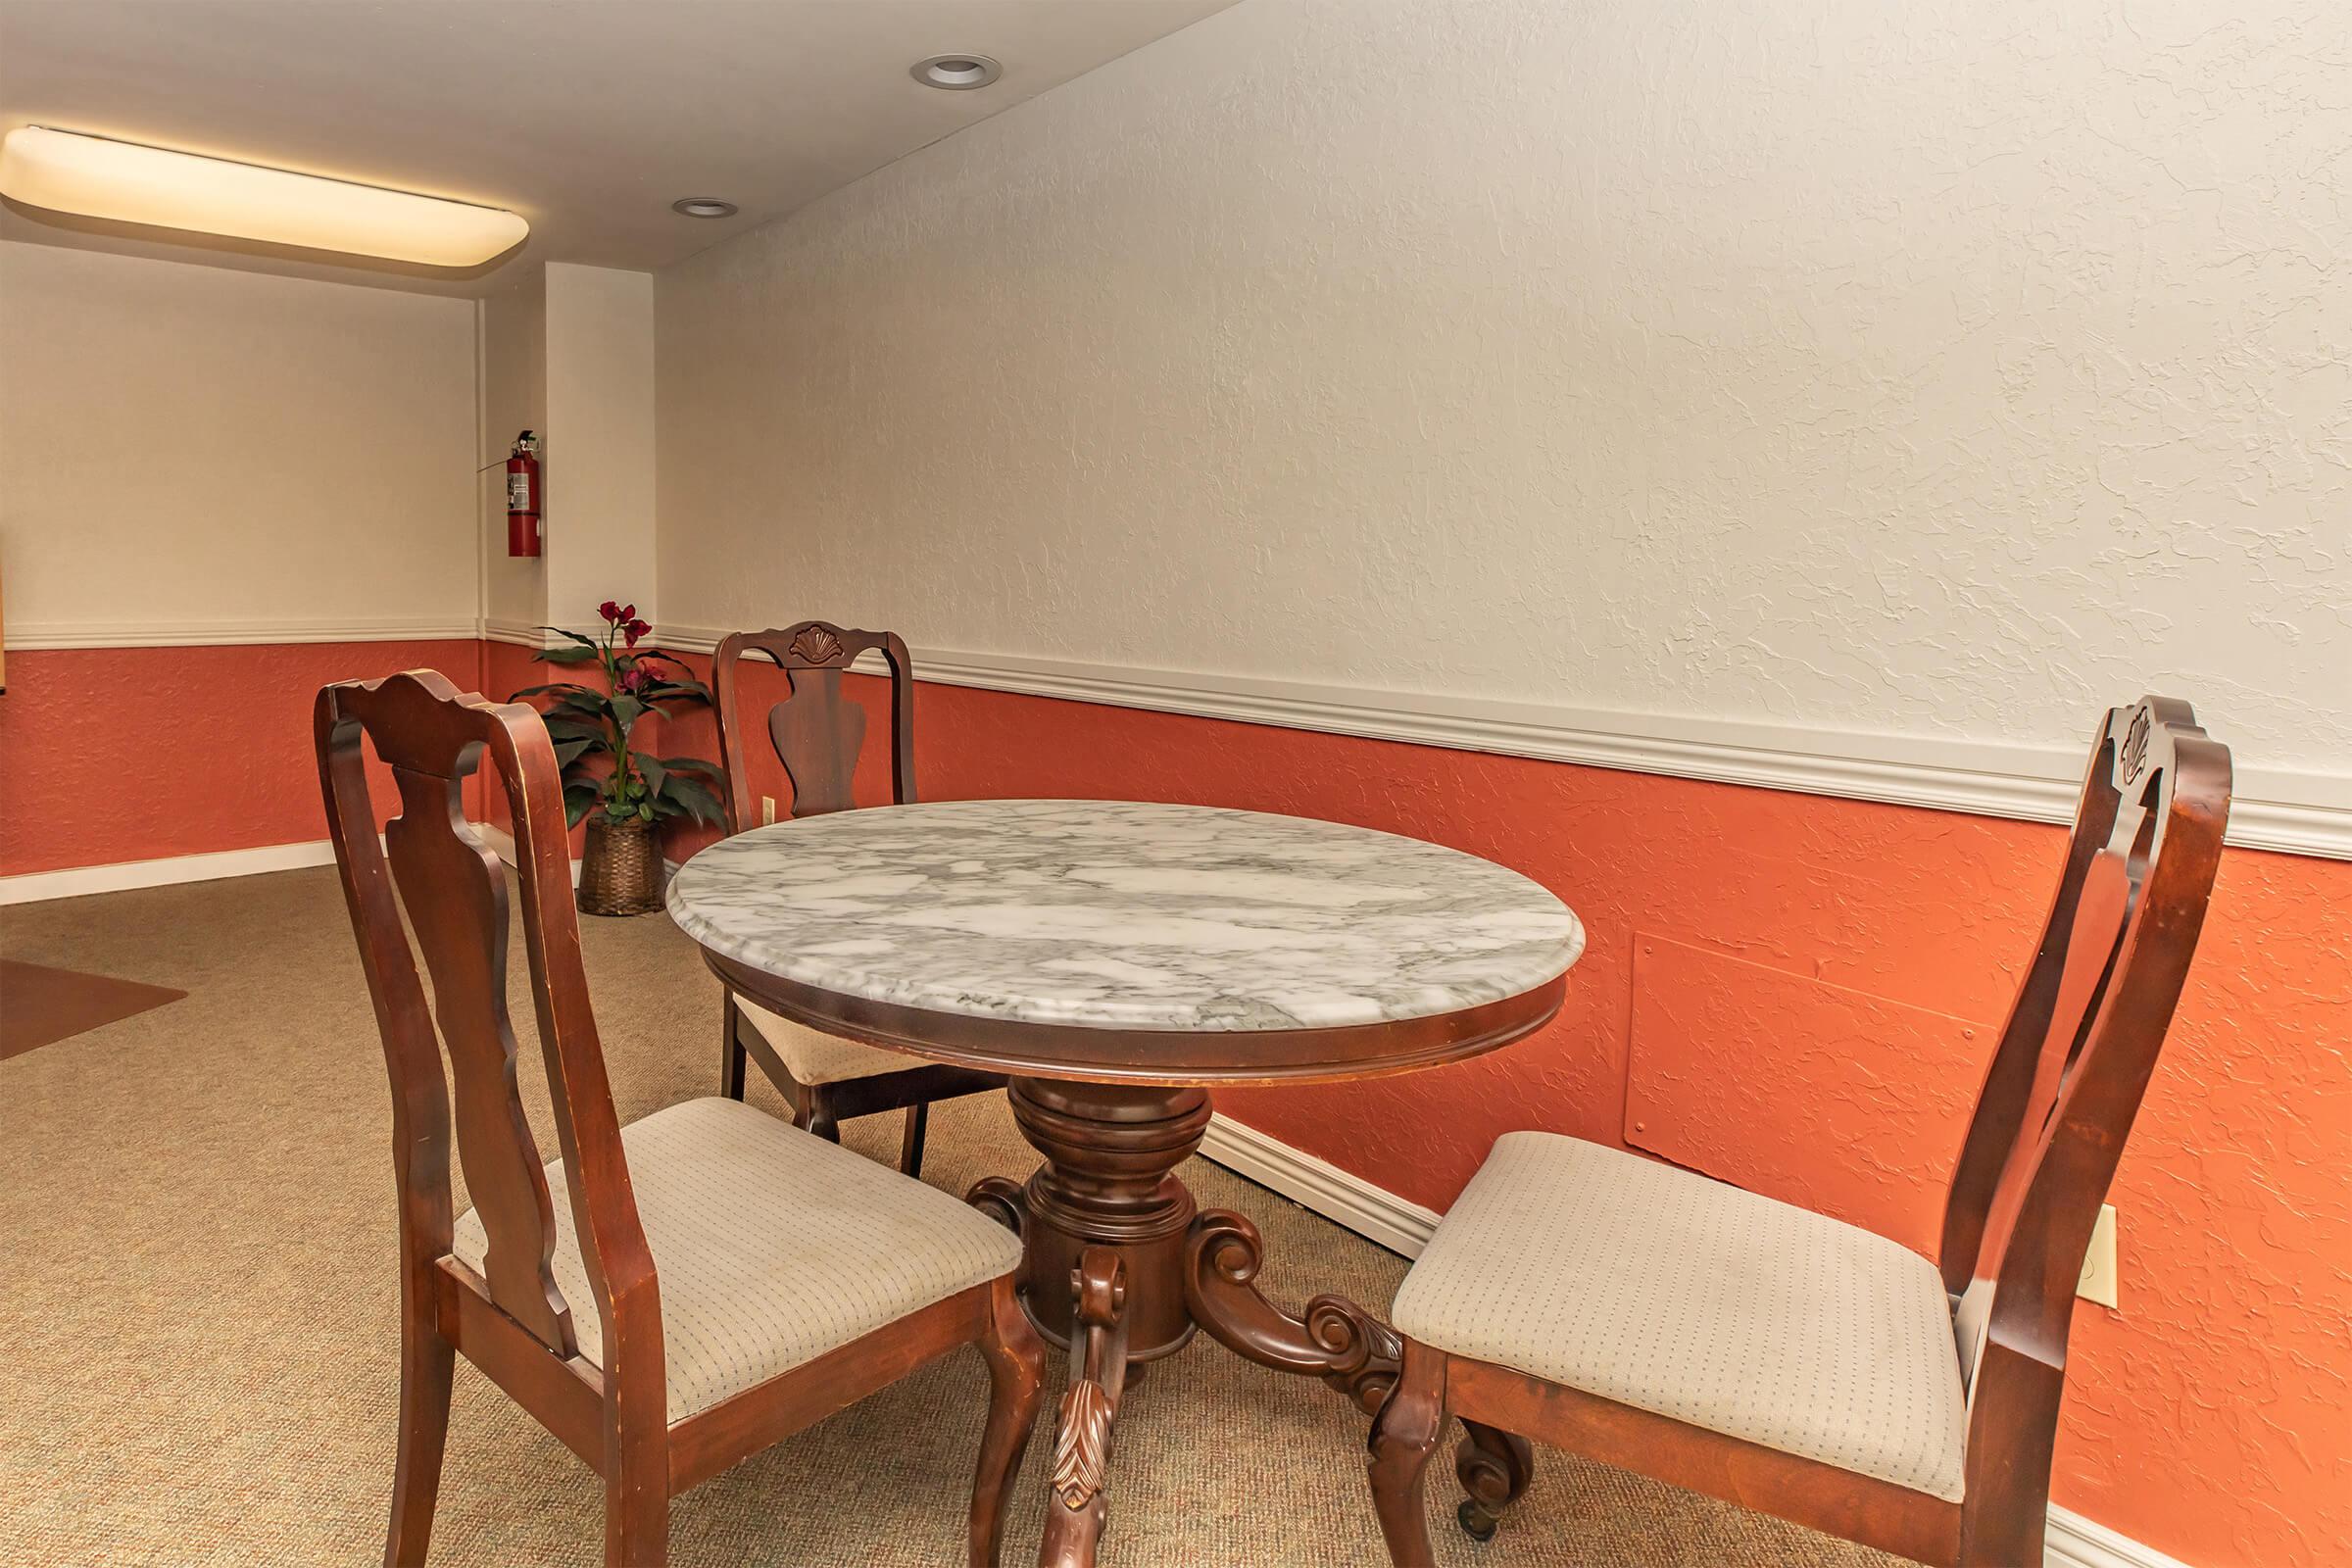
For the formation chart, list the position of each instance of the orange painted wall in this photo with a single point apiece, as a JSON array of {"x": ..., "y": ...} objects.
[
  {"x": 134, "y": 754},
  {"x": 2209, "y": 1416}
]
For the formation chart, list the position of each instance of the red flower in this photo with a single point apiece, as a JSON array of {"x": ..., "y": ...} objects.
[
  {"x": 609, "y": 609},
  {"x": 636, "y": 629}
]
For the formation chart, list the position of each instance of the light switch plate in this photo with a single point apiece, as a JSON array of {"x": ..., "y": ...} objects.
[
  {"x": 767, "y": 810},
  {"x": 2097, "y": 1282}
]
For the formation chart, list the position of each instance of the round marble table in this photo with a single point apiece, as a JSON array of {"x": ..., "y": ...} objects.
[{"x": 1118, "y": 960}]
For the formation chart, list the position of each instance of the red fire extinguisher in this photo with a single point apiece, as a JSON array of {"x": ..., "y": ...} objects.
[{"x": 522, "y": 496}]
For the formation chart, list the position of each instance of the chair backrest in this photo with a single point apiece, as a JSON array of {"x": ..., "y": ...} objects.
[
  {"x": 433, "y": 865},
  {"x": 2084, "y": 1031},
  {"x": 818, "y": 733}
]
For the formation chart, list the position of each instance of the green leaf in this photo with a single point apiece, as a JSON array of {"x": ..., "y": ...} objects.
[
  {"x": 564, "y": 656},
  {"x": 626, "y": 711},
  {"x": 649, "y": 768},
  {"x": 573, "y": 729},
  {"x": 688, "y": 764},
  {"x": 566, "y": 687},
  {"x": 683, "y": 794},
  {"x": 570, "y": 751},
  {"x": 578, "y": 799},
  {"x": 564, "y": 631}
]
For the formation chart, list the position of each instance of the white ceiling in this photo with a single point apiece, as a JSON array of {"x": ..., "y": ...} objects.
[{"x": 587, "y": 116}]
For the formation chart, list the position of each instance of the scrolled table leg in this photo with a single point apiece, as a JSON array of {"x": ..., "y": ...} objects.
[
  {"x": 1082, "y": 1427},
  {"x": 1335, "y": 1339}
]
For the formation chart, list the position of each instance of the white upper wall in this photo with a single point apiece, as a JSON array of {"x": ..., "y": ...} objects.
[
  {"x": 1949, "y": 368},
  {"x": 514, "y": 371},
  {"x": 185, "y": 447},
  {"x": 600, "y": 441},
  {"x": 568, "y": 353}
]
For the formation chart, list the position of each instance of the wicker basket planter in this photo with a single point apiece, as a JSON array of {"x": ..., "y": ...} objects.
[{"x": 621, "y": 871}]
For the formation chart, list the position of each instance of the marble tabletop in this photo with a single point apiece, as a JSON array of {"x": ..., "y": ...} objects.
[{"x": 1124, "y": 915}]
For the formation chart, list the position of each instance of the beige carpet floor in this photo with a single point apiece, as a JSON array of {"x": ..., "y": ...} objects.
[{"x": 197, "y": 1312}]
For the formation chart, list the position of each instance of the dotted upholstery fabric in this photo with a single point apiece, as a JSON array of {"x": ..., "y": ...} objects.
[
  {"x": 771, "y": 1245},
  {"x": 1661, "y": 1289},
  {"x": 817, "y": 1058}
]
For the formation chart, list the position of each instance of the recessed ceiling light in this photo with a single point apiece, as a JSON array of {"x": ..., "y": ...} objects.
[
  {"x": 703, "y": 207},
  {"x": 98, "y": 177},
  {"x": 956, "y": 72}
]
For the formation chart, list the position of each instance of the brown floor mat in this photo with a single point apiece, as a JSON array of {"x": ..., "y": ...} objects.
[{"x": 41, "y": 1006}]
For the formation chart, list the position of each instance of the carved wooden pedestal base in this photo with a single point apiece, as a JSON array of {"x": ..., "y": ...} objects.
[{"x": 1120, "y": 1268}]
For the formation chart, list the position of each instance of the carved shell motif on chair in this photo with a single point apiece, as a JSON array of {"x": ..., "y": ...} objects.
[
  {"x": 817, "y": 645},
  {"x": 2135, "y": 746}
]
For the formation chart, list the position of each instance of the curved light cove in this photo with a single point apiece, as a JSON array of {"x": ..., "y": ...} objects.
[{"x": 126, "y": 182}]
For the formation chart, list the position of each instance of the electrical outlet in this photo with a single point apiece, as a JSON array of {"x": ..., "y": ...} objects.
[
  {"x": 2097, "y": 1282},
  {"x": 767, "y": 810}
]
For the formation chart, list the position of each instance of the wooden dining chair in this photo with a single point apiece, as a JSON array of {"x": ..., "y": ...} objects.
[
  {"x": 744, "y": 1279},
  {"x": 817, "y": 734},
  {"x": 1651, "y": 1318}
]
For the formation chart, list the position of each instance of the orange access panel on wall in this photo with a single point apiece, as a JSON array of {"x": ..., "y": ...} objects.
[{"x": 1835, "y": 1099}]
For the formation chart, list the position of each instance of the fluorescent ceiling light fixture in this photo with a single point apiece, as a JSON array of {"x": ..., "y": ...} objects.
[
  {"x": 955, "y": 72},
  {"x": 123, "y": 180}
]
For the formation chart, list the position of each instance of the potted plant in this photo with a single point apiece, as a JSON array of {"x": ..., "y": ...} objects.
[{"x": 621, "y": 793}]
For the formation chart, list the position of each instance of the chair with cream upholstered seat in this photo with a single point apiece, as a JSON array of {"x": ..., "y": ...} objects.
[
  {"x": 818, "y": 733},
  {"x": 670, "y": 1298},
  {"x": 1652, "y": 1318}
]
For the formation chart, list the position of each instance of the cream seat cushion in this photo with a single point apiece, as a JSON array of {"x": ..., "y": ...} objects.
[
  {"x": 1664, "y": 1289},
  {"x": 816, "y": 1057},
  {"x": 771, "y": 1247}
]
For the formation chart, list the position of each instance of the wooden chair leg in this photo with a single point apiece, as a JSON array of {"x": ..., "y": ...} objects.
[
  {"x": 2004, "y": 1524},
  {"x": 1404, "y": 1437},
  {"x": 636, "y": 1520},
  {"x": 734, "y": 1061},
  {"x": 1016, "y": 1381},
  {"x": 910, "y": 1142},
  {"x": 1495, "y": 1467},
  {"x": 426, "y": 1364}
]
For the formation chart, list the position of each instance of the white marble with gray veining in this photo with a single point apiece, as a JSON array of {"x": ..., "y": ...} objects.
[{"x": 1117, "y": 914}]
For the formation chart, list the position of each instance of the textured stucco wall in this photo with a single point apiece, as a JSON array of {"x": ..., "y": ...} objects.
[
  {"x": 184, "y": 444},
  {"x": 2211, "y": 1416},
  {"x": 1954, "y": 366},
  {"x": 137, "y": 754},
  {"x": 1930, "y": 369}
]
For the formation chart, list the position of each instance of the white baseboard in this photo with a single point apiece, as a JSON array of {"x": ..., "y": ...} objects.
[
  {"x": 79, "y": 881},
  {"x": 1372, "y": 1212},
  {"x": 2074, "y": 1542},
  {"x": 1380, "y": 1215},
  {"x": 501, "y": 843}
]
